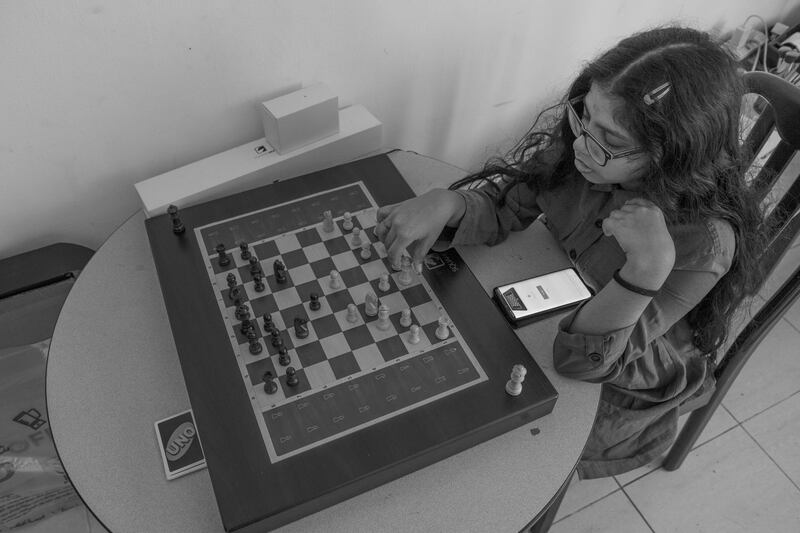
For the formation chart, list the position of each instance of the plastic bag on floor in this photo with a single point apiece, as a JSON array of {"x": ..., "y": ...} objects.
[{"x": 33, "y": 484}]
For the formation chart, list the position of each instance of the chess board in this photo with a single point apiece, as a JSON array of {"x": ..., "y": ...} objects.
[{"x": 369, "y": 404}]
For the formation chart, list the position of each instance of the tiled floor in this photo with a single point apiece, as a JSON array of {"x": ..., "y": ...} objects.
[{"x": 742, "y": 476}]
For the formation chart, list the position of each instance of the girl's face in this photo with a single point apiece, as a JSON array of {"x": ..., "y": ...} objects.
[{"x": 599, "y": 110}]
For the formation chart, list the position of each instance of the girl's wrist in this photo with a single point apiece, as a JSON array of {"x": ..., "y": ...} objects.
[
  {"x": 647, "y": 276},
  {"x": 457, "y": 207}
]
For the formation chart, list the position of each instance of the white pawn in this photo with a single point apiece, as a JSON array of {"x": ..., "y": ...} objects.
[
  {"x": 405, "y": 271},
  {"x": 352, "y": 313},
  {"x": 347, "y": 221},
  {"x": 514, "y": 385},
  {"x": 370, "y": 304},
  {"x": 383, "y": 318},
  {"x": 356, "y": 238},
  {"x": 405, "y": 318},
  {"x": 383, "y": 284},
  {"x": 413, "y": 334},
  {"x": 366, "y": 250},
  {"x": 336, "y": 280},
  {"x": 442, "y": 332},
  {"x": 327, "y": 222}
]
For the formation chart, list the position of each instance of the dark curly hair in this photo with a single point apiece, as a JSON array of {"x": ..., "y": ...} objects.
[{"x": 698, "y": 165}]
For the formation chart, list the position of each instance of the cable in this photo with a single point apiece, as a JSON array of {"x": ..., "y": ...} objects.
[{"x": 766, "y": 40}]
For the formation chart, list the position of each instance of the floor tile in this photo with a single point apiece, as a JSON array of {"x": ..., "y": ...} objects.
[
  {"x": 583, "y": 492},
  {"x": 772, "y": 374},
  {"x": 721, "y": 421},
  {"x": 777, "y": 430},
  {"x": 612, "y": 513},
  {"x": 728, "y": 484}
]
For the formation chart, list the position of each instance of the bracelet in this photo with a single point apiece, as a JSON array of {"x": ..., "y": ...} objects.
[{"x": 631, "y": 287}]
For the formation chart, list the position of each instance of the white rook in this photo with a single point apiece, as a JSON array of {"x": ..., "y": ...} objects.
[{"x": 300, "y": 118}]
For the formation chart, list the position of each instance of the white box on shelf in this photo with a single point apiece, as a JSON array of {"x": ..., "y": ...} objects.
[
  {"x": 256, "y": 163},
  {"x": 300, "y": 117}
]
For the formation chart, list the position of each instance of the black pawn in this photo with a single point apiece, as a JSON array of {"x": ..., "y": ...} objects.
[
  {"x": 245, "y": 249},
  {"x": 177, "y": 225},
  {"x": 300, "y": 327},
  {"x": 277, "y": 341},
  {"x": 314, "y": 305},
  {"x": 259, "y": 282},
  {"x": 291, "y": 376},
  {"x": 233, "y": 293},
  {"x": 280, "y": 271},
  {"x": 230, "y": 279},
  {"x": 224, "y": 259},
  {"x": 247, "y": 327},
  {"x": 270, "y": 387},
  {"x": 242, "y": 312},
  {"x": 268, "y": 325},
  {"x": 283, "y": 356},
  {"x": 255, "y": 346},
  {"x": 255, "y": 265}
]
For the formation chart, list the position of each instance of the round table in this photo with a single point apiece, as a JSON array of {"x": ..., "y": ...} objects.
[{"x": 113, "y": 370}]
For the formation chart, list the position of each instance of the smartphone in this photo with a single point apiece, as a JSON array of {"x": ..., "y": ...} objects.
[{"x": 534, "y": 298}]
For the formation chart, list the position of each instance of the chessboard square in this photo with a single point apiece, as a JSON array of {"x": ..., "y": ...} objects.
[
  {"x": 319, "y": 375},
  {"x": 274, "y": 286},
  {"x": 266, "y": 250},
  {"x": 287, "y": 243},
  {"x": 287, "y": 298},
  {"x": 241, "y": 338},
  {"x": 305, "y": 290},
  {"x": 325, "y": 326},
  {"x": 427, "y": 313},
  {"x": 222, "y": 278},
  {"x": 243, "y": 296},
  {"x": 430, "y": 331},
  {"x": 367, "y": 219},
  {"x": 280, "y": 369},
  {"x": 308, "y": 237},
  {"x": 256, "y": 370},
  {"x": 368, "y": 357},
  {"x": 344, "y": 324},
  {"x": 380, "y": 248},
  {"x": 375, "y": 287},
  {"x": 392, "y": 348},
  {"x": 301, "y": 387},
  {"x": 415, "y": 295},
  {"x": 244, "y": 273},
  {"x": 334, "y": 345},
  {"x": 324, "y": 306},
  {"x": 302, "y": 274},
  {"x": 263, "y": 304},
  {"x": 374, "y": 268},
  {"x": 344, "y": 365},
  {"x": 358, "y": 337},
  {"x": 361, "y": 261},
  {"x": 322, "y": 268},
  {"x": 339, "y": 300},
  {"x": 288, "y": 314},
  {"x": 312, "y": 336},
  {"x": 344, "y": 261},
  {"x": 315, "y": 252},
  {"x": 285, "y": 337},
  {"x": 359, "y": 292},
  {"x": 381, "y": 334},
  {"x": 218, "y": 268},
  {"x": 295, "y": 258},
  {"x": 310, "y": 354},
  {"x": 251, "y": 292},
  {"x": 423, "y": 344},
  {"x": 394, "y": 301},
  {"x": 353, "y": 276},
  {"x": 336, "y": 233},
  {"x": 337, "y": 246}
]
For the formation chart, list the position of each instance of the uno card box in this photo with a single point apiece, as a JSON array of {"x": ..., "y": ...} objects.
[
  {"x": 534, "y": 298},
  {"x": 179, "y": 444}
]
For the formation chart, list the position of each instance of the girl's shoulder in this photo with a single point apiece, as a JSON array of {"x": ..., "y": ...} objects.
[{"x": 704, "y": 245}]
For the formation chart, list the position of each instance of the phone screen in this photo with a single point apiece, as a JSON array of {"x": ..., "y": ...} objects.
[{"x": 543, "y": 293}]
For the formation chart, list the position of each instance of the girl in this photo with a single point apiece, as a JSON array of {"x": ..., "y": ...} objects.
[{"x": 641, "y": 178}]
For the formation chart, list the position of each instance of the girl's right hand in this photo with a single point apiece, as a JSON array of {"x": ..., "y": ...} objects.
[{"x": 415, "y": 224}]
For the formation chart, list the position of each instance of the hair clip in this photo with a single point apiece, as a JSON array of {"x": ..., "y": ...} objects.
[{"x": 657, "y": 94}]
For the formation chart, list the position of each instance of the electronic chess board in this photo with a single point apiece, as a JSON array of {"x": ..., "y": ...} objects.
[{"x": 316, "y": 369}]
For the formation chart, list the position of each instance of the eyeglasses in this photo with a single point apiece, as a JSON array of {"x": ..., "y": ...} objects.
[{"x": 599, "y": 153}]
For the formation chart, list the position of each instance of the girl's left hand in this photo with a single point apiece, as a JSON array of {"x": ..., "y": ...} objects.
[{"x": 641, "y": 231}]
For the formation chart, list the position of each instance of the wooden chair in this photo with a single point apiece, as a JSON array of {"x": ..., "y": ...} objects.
[{"x": 783, "y": 117}]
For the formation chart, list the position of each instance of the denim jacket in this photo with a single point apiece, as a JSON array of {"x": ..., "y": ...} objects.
[{"x": 647, "y": 368}]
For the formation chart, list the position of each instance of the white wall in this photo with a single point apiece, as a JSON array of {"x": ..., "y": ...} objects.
[{"x": 96, "y": 96}]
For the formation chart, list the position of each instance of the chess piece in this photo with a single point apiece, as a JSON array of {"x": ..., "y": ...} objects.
[
  {"x": 514, "y": 385},
  {"x": 413, "y": 334},
  {"x": 352, "y": 313},
  {"x": 442, "y": 332},
  {"x": 327, "y": 222},
  {"x": 347, "y": 221},
  {"x": 255, "y": 265},
  {"x": 177, "y": 225},
  {"x": 300, "y": 327},
  {"x": 314, "y": 304},
  {"x": 283, "y": 356},
  {"x": 222, "y": 258},
  {"x": 366, "y": 250},
  {"x": 270, "y": 387},
  {"x": 383, "y": 284},
  {"x": 277, "y": 341},
  {"x": 247, "y": 326},
  {"x": 259, "y": 282},
  {"x": 383, "y": 318},
  {"x": 280, "y": 271},
  {"x": 336, "y": 281},
  {"x": 370, "y": 304},
  {"x": 245, "y": 251},
  {"x": 255, "y": 346},
  {"x": 405, "y": 278},
  {"x": 268, "y": 322},
  {"x": 242, "y": 312},
  {"x": 356, "y": 240},
  {"x": 291, "y": 377},
  {"x": 230, "y": 279},
  {"x": 234, "y": 293},
  {"x": 405, "y": 318}
]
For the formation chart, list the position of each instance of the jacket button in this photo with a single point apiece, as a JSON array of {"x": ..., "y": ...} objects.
[
  {"x": 573, "y": 254},
  {"x": 595, "y": 357},
  {"x": 598, "y": 223}
]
